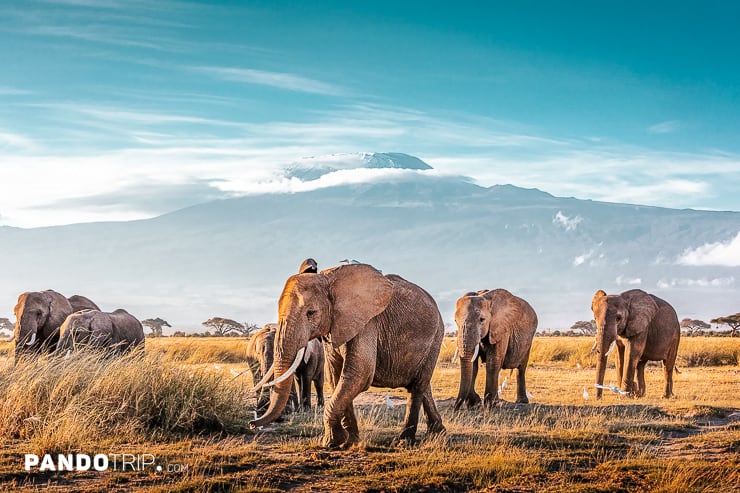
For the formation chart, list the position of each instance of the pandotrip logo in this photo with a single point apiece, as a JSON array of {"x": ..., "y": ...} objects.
[{"x": 99, "y": 462}]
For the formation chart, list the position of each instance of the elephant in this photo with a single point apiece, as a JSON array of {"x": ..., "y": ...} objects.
[
  {"x": 117, "y": 331},
  {"x": 39, "y": 314},
  {"x": 377, "y": 330},
  {"x": 310, "y": 370},
  {"x": 259, "y": 356},
  {"x": 644, "y": 328},
  {"x": 496, "y": 327}
]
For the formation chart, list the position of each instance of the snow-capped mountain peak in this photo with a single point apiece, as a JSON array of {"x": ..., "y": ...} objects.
[{"x": 313, "y": 167}]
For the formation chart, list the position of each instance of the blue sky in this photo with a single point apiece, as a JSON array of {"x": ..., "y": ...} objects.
[{"x": 119, "y": 110}]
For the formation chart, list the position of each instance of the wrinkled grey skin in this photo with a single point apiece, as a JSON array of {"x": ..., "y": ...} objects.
[
  {"x": 644, "y": 328},
  {"x": 311, "y": 370},
  {"x": 378, "y": 330},
  {"x": 259, "y": 356},
  {"x": 502, "y": 326},
  {"x": 117, "y": 331},
  {"x": 42, "y": 313}
]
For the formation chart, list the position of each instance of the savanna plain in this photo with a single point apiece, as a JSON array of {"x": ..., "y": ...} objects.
[{"x": 183, "y": 402}]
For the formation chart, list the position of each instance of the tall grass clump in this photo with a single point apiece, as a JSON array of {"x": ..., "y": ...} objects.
[
  {"x": 709, "y": 351},
  {"x": 58, "y": 403},
  {"x": 193, "y": 350}
]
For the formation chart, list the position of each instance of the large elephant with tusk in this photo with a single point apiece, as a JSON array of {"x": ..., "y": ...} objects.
[
  {"x": 117, "y": 331},
  {"x": 39, "y": 314},
  {"x": 378, "y": 330},
  {"x": 642, "y": 327},
  {"x": 496, "y": 327}
]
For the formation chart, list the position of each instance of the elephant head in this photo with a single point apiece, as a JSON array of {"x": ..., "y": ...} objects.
[
  {"x": 38, "y": 317},
  {"x": 626, "y": 315},
  {"x": 89, "y": 327},
  {"x": 335, "y": 303}
]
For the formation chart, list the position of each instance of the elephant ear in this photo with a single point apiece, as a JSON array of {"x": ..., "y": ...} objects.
[
  {"x": 504, "y": 313},
  {"x": 642, "y": 309},
  {"x": 598, "y": 296},
  {"x": 59, "y": 310},
  {"x": 358, "y": 293}
]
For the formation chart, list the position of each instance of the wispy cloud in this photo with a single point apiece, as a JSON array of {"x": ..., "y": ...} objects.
[
  {"x": 280, "y": 80},
  {"x": 724, "y": 253},
  {"x": 666, "y": 127},
  {"x": 717, "y": 282},
  {"x": 622, "y": 280}
]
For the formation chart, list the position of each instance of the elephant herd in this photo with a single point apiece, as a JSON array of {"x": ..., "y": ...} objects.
[
  {"x": 46, "y": 321},
  {"x": 369, "y": 329},
  {"x": 384, "y": 331}
]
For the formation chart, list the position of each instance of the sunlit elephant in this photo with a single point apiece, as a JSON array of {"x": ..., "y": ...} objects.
[
  {"x": 39, "y": 314},
  {"x": 643, "y": 328},
  {"x": 117, "y": 331},
  {"x": 259, "y": 357},
  {"x": 497, "y": 328},
  {"x": 379, "y": 330}
]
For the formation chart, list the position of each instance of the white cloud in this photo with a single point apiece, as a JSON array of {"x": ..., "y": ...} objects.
[
  {"x": 569, "y": 223},
  {"x": 717, "y": 282},
  {"x": 581, "y": 259},
  {"x": 628, "y": 281},
  {"x": 666, "y": 127},
  {"x": 720, "y": 253},
  {"x": 281, "y": 80}
]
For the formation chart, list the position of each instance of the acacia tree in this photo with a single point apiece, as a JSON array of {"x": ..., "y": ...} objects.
[
  {"x": 587, "y": 328},
  {"x": 155, "y": 324},
  {"x": 691, "y": 327},
  {"x": 223, "y": 326},
  {"x": 6, "y": 325},
  {"x": 732, "y": 320}
]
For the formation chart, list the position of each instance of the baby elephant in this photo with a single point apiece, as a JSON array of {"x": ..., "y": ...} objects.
[{"x": 118, "y": 331}]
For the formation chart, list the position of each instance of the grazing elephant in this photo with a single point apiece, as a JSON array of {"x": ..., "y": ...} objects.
[
  {"x": 118, "y": 331},
  {"x": 498, "y": 328},
  {"x": 378, "y": 330},
  {"x": 38, "y": 317},
  {"x": 259, "y": 356},
  {"x": 644, "y": 328}
]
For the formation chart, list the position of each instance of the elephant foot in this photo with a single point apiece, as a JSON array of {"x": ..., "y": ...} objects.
[
  {"x": 522, "y": 400},
  {"x": 436, "y": 428},
  {"x": 336, "y": 438}
]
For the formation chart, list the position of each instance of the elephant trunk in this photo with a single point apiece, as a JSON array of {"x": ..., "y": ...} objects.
[
  {"x": 605, "y": 347},
  {"x": 466, "y": 381},
  {"x": 285, "y": 362}
]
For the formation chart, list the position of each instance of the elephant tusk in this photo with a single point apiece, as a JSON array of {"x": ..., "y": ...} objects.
[
  {"x": 611, "y": 348},
  {"x": 33, "y": 339},
  {"x": 593, "y": 348},
  {"x": 265, "y": 379},
  {"x": 475, "y": 353},
  {"x": 69, "y": 353},
  {"x": 290, "y": 371},
  {"x": 454, "y": 356}
]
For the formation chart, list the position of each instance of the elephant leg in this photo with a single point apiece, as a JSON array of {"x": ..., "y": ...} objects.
[
  {"x": 632, "y": 357},
  {"x": 356, "y": 376},
  {"x": 434, "y": 420},
  {"x": 349, "y": 423},
  {"x": 493, "y": 367},
  {"x": 473, "y": 399},
  {"x": 620, "y": 362},
  {"x": 641, "y": 378},
  {"x": 305, "y": 388},
  {"x": 318, "y": 383},
  {"x": 521, "y": 384},
  {"x": 411, "y": 421},
  {"x": 668, "y": 366}
]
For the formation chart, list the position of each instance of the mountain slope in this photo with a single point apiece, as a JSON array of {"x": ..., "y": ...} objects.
[{"x": 231, "y": 257}]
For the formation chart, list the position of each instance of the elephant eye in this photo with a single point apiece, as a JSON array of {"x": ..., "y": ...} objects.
[
  {"x": 482, "y": 319},
  {"x": 619, "y": 318},
  {"x": 310, "y": 313}
]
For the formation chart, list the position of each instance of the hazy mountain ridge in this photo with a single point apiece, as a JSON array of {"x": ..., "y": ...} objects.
[{"x": 231, "y": 257}]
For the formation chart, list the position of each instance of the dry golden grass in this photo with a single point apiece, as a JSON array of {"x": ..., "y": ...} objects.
[{"x": 182, "y": 404}]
